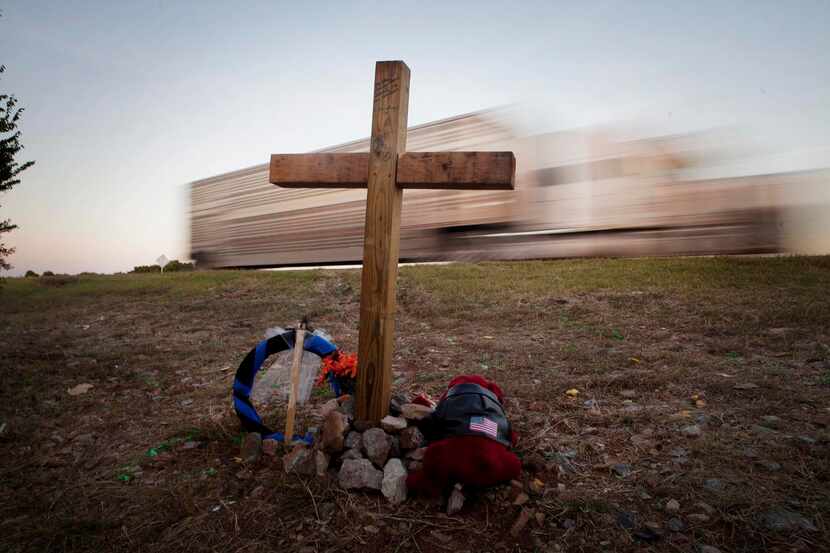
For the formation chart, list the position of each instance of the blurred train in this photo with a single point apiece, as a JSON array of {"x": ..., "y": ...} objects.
[{"x": 578, "y": 193}]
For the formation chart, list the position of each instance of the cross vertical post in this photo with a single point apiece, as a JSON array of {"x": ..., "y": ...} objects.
[
  {"x": 381, "y": 242},
  {"x": 386, "y": 171}
]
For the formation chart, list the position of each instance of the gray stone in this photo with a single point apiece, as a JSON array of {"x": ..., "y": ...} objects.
[
  {"x": 672, "y": 506},
  {"x": 393, "y": 485},
  {"x": 353, "y": 440},
  {"x": 628, "y": 393},
  {"x": 414, "y": 411},
  {"x": 376, "y": 444},
  {"x": 251, "y": 448},
  {"x": 621, "y": 469},
  {"x": 771, "y": 421},
  {"x": 590, "y": 404},
  {"x": 705, "y": 507},
  {"x": 626, "y": 521},
  {"x": 395, "y": 404},
  {"x": 335, "y": 426},
  {"x": 411, "y": 438},
  {"x": 692, "y": 431},
  {"x": 392, "y": 424},
  {"x": 758, "y": 429},
  {"x": 347, "y": 406},
  {"x": 713, "y": 485},
  {"x": 299, "y": 460},
  {"x": 680, "y": 452},
  {"x": 321, "y": 463},
  {"x": 784, "y": 520},
  {"x": 675, "y": 525},
  {"x": 456, "y": 500},
  {"x": 359, "y": 473}
]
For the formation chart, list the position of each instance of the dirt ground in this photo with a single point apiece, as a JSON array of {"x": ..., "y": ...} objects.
[{"x": 700, "y": 420}]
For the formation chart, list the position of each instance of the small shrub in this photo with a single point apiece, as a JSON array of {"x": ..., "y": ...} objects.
[
  {"x": 147, "y": 269},
  {"x": 31, "y": 274},
  {"x": 176, "y": 265},
  {"x": 48, "y": 273}
]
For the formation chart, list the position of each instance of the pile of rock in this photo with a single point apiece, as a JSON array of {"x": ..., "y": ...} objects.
[{"x": 361, "y": 455}]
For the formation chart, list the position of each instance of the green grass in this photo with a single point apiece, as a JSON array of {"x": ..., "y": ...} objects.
[{"x": 482, "y": 281}]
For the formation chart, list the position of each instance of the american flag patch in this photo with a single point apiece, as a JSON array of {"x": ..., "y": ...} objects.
[{"x": 484, "y": 425}]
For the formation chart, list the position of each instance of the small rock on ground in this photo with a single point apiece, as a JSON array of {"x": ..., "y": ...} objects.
[
  {"x": 692, "y": 431},
  {"x": 353, "y": 440},
  {"x": 334, "y": 429},
  {"x": 393, "y": 424},
  {"x": 456, "y": 500},
  {"x": 713, "y": 484},
  {"x": 675, "y": 525},
  {"x": 359, "y": 473},
  {"x": 299, "y": 460},
  {"x": 411, "y": 438},
  {"x": 376, "y": 444},
  {"x": 784, "y": 520},
  {"x": 393, "y": 485},
  {"x": 414, "y": 411}
]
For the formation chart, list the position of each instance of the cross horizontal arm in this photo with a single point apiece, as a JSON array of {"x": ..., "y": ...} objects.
[{"x": 438, "y": 170}]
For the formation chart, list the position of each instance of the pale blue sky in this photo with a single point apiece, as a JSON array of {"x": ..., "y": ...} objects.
[{"x": 127, "y": 102}]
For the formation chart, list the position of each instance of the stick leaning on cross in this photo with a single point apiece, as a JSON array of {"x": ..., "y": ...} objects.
[{"x": 386, "y": 170}]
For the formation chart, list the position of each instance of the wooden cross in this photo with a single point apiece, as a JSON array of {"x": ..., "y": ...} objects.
[{"x": 386, "y": 170}]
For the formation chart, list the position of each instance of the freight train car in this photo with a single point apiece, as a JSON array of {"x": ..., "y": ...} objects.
[
  {"x": 578, "y": 193},
  {"x": 239, "y": 219}
]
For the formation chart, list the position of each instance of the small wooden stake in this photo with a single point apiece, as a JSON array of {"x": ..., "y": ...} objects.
[{"x": 299, "y": 340}]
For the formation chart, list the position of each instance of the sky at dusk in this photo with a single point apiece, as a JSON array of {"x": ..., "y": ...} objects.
[{"x": 127, "y": 102}]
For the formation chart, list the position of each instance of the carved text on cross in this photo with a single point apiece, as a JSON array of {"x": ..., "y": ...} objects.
[{"x": 386, "y": 170}]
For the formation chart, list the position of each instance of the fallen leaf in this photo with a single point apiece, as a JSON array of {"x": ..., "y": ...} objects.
[
  {"x": 634, "y": 360},
  {"x": 79, "y": 389},
  {"x": 573, "y": 392}
]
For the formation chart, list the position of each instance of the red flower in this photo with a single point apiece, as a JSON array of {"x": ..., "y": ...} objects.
[{"x": 339, "y": 365}]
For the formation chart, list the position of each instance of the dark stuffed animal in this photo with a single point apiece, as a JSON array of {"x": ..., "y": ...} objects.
[{"x": 469, "y": 439}]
